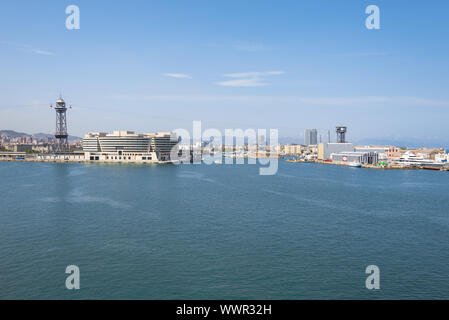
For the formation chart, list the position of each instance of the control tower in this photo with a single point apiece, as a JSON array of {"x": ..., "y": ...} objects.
[
  {"x": 341, "y": 134},
  {"x": 61, "y": 135}
]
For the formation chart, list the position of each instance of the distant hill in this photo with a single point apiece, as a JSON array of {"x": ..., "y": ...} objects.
[
  {"x": 40, "y": 135},
  {"x": 415, "y": 143},
  {"x": 14, "y": 134},
  {"x": 48, "y": 135}
]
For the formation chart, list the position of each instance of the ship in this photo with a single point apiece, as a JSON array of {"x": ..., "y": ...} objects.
[
  {"x": 355, "y": 164},
  {"x": 410, "y": 159}
]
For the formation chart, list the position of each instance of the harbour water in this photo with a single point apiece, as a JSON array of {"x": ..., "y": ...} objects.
[{"x": 222, "y": 231}]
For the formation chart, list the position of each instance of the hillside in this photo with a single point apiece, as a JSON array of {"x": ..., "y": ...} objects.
[{"x": 40, "y": 135}]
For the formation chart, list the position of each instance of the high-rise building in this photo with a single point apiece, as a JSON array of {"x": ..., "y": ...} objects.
[{"x": 311, "y": 137}]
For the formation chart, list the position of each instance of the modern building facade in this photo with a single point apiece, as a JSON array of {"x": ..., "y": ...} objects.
[
  {"x": 326, "y": 149},
  {"x": 116, "y": 141},
  {"x": 310, "y": 137},
  {"x": 382, "y": 151},
  {"x": 356, "y": 157},
  {"x": 162, "y": 143},
  {"x": 129, "y": 146}
]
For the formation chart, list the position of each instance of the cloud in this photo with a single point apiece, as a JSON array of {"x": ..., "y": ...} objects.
[
  {"x": 248, "y": 79},
  {"x": 26, "y": 48},
  {"x": 178, "y": 75},
  {"x": 251, "y": 82},
  {"x": 253, "y": 74},
  {"x": 45, "y": 53}
]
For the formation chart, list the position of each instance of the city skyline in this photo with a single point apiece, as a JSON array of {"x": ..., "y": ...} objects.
[{"x": 296, "y": 66}]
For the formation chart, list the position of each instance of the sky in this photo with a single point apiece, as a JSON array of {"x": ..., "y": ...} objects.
[{"x": 290, "y": 65}]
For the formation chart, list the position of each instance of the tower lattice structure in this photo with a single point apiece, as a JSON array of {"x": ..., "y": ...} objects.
[
  {"x": 61, "y": 135},
  {"x": 341, "y": 134}
]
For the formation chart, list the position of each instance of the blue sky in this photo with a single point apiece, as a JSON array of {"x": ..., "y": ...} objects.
[{"x": 158, "y": 65}]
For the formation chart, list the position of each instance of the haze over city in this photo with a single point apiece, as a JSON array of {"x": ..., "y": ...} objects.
[{"x": 255, "y": 64}]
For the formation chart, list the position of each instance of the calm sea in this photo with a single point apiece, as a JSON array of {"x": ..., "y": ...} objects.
[{"x": 221, "y": 231}]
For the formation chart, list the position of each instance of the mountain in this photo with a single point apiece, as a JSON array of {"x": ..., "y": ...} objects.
[
  {"x": 410, "y": 143},
  {"x": 13, "y": 134},
  {"x": 40, "y": 135}
]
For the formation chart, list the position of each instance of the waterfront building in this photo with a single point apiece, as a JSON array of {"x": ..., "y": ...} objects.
[
  {"x": 22, "y": 147},
  {"x": 326, "y": 149},
  {"x": 116, "y": 141},
  {"x": 442, "y": 157},
  {"x": 382, "y": 151},
  {"x": 293, "y": 149},
  {"x": 129, "y": 146},
  {"x": 310, "y": 137},
  {"x": 356, "y": 157},
  {"x": 12, "y": 155},
  {"x": 394, "y": 152},
  {"x": 162, "y": 143}
]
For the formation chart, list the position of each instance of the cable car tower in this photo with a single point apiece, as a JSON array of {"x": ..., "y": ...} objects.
[
  {"x": 341, "y": 134},
  {"x": 61, "y": 135}
]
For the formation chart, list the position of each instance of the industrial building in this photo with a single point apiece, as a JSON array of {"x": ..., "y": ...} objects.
[
  {"x": 355, "y": 157},
  {"x": 382, "y": 151},
  {"x": 326, "y": 149}
]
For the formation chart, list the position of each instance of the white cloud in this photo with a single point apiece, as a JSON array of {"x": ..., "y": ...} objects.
[
  {"x": 250, "y": 82},
  {"x": 249, "y": 79},
  {"x": 178, "y": 75},
  {"x": 27, "y": 48},
  {"x": 46, "y": 53},
  {"x": 253, "y": 74}
]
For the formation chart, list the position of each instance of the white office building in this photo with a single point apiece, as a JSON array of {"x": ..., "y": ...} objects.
[{"x": 127, "y": 146}]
